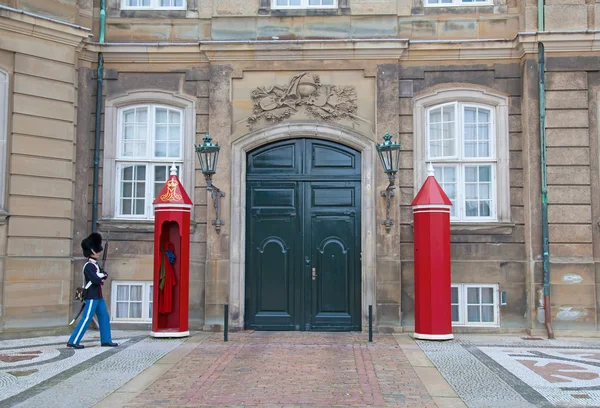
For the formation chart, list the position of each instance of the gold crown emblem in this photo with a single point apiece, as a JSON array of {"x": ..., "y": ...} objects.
[{"x": 171, "y": 194}]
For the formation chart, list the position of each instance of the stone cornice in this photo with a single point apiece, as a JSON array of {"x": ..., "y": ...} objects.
[
  {"x": 352, "y": 49},
  {"x": 298, "y": 50},
  {"x": 144, "y": 53},
  {"x": 42, "y": 27},
  {"x": 213, "y": 51}
]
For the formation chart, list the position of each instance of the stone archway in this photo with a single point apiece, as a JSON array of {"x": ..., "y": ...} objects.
[{"x": 293, "y": 130}]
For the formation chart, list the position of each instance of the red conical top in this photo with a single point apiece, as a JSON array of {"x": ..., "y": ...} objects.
[
  {"x": 431, "y": 193},
  {"x": 173, "y": 192}
]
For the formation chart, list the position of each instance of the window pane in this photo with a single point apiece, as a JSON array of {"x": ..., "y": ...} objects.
[
  {"x": 122, "y": 310},
  {"x": 122, "y": 292},
  {"x": 471, "y": 191},
  {"x": 140, "y": 172},
  {"x": 160, "y": 149},
  {"x": 127, "y": 191},
  {"x": 473, "y": 295},
  {"x": 485, "y": 173},
  {"x": 173, "y": 150},
  {"x": 470, "y": 115},
  {"x": 448, "y": 113},
  {"x": 454, "y": 295},
  {"x": 471, "y": 174},
  {"x": 484, "y": 209},
  {"x": 487, "y": 314},
  {"x": 136, "y": 293},
  {"x": 139, "y": 207},
  {"x": 449, "y": 174},
  {"x": 161, "y": 133},
  {"x": 135, "y": 311},
  {"x": 471, "y": 208},
  {"x": 160, "y": 173},
  {"x": 126, "y": 207},
  {"x": 473, "y": 314},
  {"x": 435, "y": 115},
  {"x": 487, "y": 295},
  {"x": 161, "y": 116},
  {"x": 484, "y": 191},
  {"x": 455, "y": 313}
]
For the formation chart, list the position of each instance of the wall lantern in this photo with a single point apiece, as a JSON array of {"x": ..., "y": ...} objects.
[
  {"x": 208, "y": 154},
  {"x": 389, "y": 153}
]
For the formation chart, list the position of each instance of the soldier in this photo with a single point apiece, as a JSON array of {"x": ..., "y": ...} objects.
[{"x": 94, "y": 278}]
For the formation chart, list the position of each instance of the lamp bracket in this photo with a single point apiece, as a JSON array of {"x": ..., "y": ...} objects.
[
  {"x": 216, "y": 195},
  {"x": 388, "y": 193}
]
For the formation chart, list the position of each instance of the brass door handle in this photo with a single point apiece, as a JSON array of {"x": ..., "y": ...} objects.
[{"x": 314, "y": 273}]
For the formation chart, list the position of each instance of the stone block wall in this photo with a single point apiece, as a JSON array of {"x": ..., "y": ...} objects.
[
  {"x": 572, "y": 159},
  {"x": 40, "y": 158}
]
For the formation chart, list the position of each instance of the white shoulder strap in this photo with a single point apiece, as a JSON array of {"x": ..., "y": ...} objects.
[{"x": 83, "y": 277}]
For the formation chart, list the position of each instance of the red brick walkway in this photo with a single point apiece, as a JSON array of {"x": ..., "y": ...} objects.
[{"x": 268, "y": 369}]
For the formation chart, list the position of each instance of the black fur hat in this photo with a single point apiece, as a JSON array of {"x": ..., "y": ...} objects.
[{"x": 92, "y": 244}]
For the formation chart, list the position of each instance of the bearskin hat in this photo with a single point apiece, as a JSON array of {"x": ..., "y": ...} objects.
[{"x": 92, "y": 244}]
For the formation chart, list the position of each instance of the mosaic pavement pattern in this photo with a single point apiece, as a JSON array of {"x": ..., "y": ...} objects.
[
  {"x": 43, "y": 372},
  {"x": 497, "y": 371},
  {"x": 290, "y": 369}
]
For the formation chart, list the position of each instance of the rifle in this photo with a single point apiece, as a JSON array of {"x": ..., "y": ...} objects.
[{"x": 103, "y": 263}]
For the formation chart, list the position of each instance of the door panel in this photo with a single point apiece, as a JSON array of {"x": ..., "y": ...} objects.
[
  {"x": 334, "y": 241},
  {"x": 272, "y": 250},
  {"x": 298, "y": 220}
]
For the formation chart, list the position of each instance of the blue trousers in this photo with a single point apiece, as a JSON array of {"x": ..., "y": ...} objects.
[{"x": 98, "y": 307}]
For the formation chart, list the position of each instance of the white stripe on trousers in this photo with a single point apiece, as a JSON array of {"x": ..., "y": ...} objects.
[{"x": 87, "y": 317}]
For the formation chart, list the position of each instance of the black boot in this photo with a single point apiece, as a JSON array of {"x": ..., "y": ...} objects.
[
  {"x": 75, "y": 346},
  {"x": 109, "y": 344}
]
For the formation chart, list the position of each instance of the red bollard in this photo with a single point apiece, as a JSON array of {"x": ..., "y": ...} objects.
[{"x": 433, "y": 312}]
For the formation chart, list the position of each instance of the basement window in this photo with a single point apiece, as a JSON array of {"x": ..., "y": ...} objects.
[
  {"x": 131, "y": 301},
  {"x": 153, "y": 5},
  {"x": 475, "y": 305},
  {"x": 451, "y": 3}
]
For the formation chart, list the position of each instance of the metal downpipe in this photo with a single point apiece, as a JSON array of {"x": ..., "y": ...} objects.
[
  {"x": 544, "y": 181},
  {"x": 98, "y": 120}
]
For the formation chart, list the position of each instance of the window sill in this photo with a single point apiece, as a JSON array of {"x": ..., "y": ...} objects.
[
  {"x": 124, "y": 225},
  {"x": 479, "y": 228},
  {"x": 304, "y": 12},
  {"x": 4, "y": 217}
]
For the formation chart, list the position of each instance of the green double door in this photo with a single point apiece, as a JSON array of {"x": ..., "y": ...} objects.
[{"x": 303, "y": 237}]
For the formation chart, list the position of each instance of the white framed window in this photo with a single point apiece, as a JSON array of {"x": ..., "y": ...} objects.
[
  {"x": 460, "y": 145},
  {"x": 3, "y": 132},
  {"x": 131, "y": 301},
  {"x": 153, "y": 5},
  {"x": 149, "y": 142},
  {"x": 145, "y": 132},
  {"x": 475, "y": 304},
  {"x": 463, "y": 133},
  {"x": 447, "y": 3},
  {"x": 303, "y": 4}
]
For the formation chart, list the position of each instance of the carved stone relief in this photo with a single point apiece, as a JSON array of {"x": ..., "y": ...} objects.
[{"x": 303, "y": 94}]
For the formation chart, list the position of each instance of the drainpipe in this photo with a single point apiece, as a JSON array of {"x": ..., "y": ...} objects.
[
  {"x": 98, "y": 119},
  {"x": 545, "y": 234}
]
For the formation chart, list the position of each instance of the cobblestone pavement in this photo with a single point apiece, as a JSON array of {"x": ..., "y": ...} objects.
[
  {"x": 43, "y": 372},
  {"x": 501, "y": 371},
  {"x": 291, "y": 369}
]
